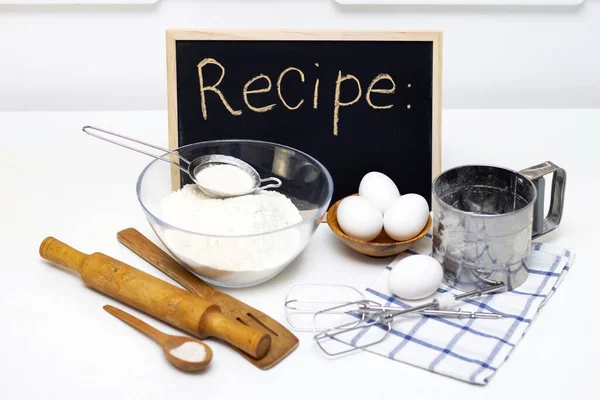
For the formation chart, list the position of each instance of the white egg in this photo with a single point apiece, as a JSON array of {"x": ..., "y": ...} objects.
[
  {"x": 359, "y": 218},
  {"x": 415, "y": 277},
  {"x": 406, "y": 217},
  {"x": 378, "y": 188}
]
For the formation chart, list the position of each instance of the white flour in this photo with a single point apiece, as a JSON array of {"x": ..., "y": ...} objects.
[
  {"x": 226, "y": 258},
  {"x": 189, "y": 351},
  {"x": 225, "y": 178}
]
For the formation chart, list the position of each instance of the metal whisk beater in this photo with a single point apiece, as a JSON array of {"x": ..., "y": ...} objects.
[{"x": 366, "y": 313}]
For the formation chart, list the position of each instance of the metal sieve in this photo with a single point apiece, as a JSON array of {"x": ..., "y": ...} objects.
[{"x": 195, "y": 166}]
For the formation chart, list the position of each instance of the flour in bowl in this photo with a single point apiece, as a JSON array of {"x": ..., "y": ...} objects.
[{"x": 226, "y": 258}]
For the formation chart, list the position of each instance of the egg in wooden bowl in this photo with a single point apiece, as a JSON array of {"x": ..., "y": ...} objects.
[{"x": 382, "y": 246}]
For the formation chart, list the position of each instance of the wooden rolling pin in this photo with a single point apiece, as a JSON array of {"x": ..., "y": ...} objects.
[{"x": 156, "y": 297}]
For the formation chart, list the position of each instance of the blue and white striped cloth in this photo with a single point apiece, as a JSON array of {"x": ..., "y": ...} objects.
[{"x": 470, "y": 350}]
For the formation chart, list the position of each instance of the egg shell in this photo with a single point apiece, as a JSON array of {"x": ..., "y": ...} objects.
[
  {"x": 359, "y": 218},
  {"x": 379, "y": 189},
  {"x": 415, "y": 277},
  {"x": 406, "y": 217}
]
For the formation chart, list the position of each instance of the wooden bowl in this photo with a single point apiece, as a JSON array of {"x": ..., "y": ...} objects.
[{"x": 381, "y": 246}]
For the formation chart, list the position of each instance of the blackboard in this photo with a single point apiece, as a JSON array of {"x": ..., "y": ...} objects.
[{"x": 313, "y": 102}]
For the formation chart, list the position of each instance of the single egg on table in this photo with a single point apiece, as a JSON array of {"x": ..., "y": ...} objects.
[
  {"x": 379, "y": 189},
  {"x": 359, "y": 218},
  {"x": 406, "y": 217},
  {"x": 415, "y": 277}
]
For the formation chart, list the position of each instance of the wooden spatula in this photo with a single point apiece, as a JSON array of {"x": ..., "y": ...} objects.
[{"x": 283, "y": 342}]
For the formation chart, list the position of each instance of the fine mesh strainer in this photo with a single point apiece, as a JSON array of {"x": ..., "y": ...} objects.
[{"x": 195, "y": 166}]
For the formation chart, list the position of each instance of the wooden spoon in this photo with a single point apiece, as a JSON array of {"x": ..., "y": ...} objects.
[{"x": 167, "y": 342}]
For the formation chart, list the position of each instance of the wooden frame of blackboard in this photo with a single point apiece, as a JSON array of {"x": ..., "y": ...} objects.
[{"x": 435, "y": 37}]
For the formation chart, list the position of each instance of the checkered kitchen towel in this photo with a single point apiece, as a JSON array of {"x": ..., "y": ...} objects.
[{"x": 471, "y": 350}]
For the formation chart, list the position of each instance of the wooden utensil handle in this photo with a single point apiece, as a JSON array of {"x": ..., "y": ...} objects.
[
  {"x": 154, "y": 255},
  {"x": 137, "y": 324},
  {"x": 59, "y": 253},
  {"x": 156, "y": 297}
]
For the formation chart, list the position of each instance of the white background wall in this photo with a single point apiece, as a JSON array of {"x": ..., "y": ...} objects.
[{"x": 113, "y": 57}]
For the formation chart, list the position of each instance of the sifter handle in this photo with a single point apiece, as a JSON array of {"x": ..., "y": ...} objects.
[{"x": 544, "y": 224}]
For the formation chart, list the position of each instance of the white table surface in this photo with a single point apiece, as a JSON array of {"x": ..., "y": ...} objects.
[{"x": 56, "y": 342}]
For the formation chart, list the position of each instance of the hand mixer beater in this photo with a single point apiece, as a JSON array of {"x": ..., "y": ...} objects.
[{"x": 333, "y": 312}]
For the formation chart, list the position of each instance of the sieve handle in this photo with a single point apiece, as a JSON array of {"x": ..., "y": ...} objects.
[
  {"x": 544, "y": 224},
  {"x": 101, "y": 134},
  {"x": 277, "y": 183}
]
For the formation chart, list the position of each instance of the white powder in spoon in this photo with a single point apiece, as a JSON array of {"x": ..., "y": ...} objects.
[
  {"x": 189, "y": 351},
  {"x": 225, "y": 178}
]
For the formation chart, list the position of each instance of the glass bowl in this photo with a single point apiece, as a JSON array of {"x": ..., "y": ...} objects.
[{"x": 239, "y": 261}]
